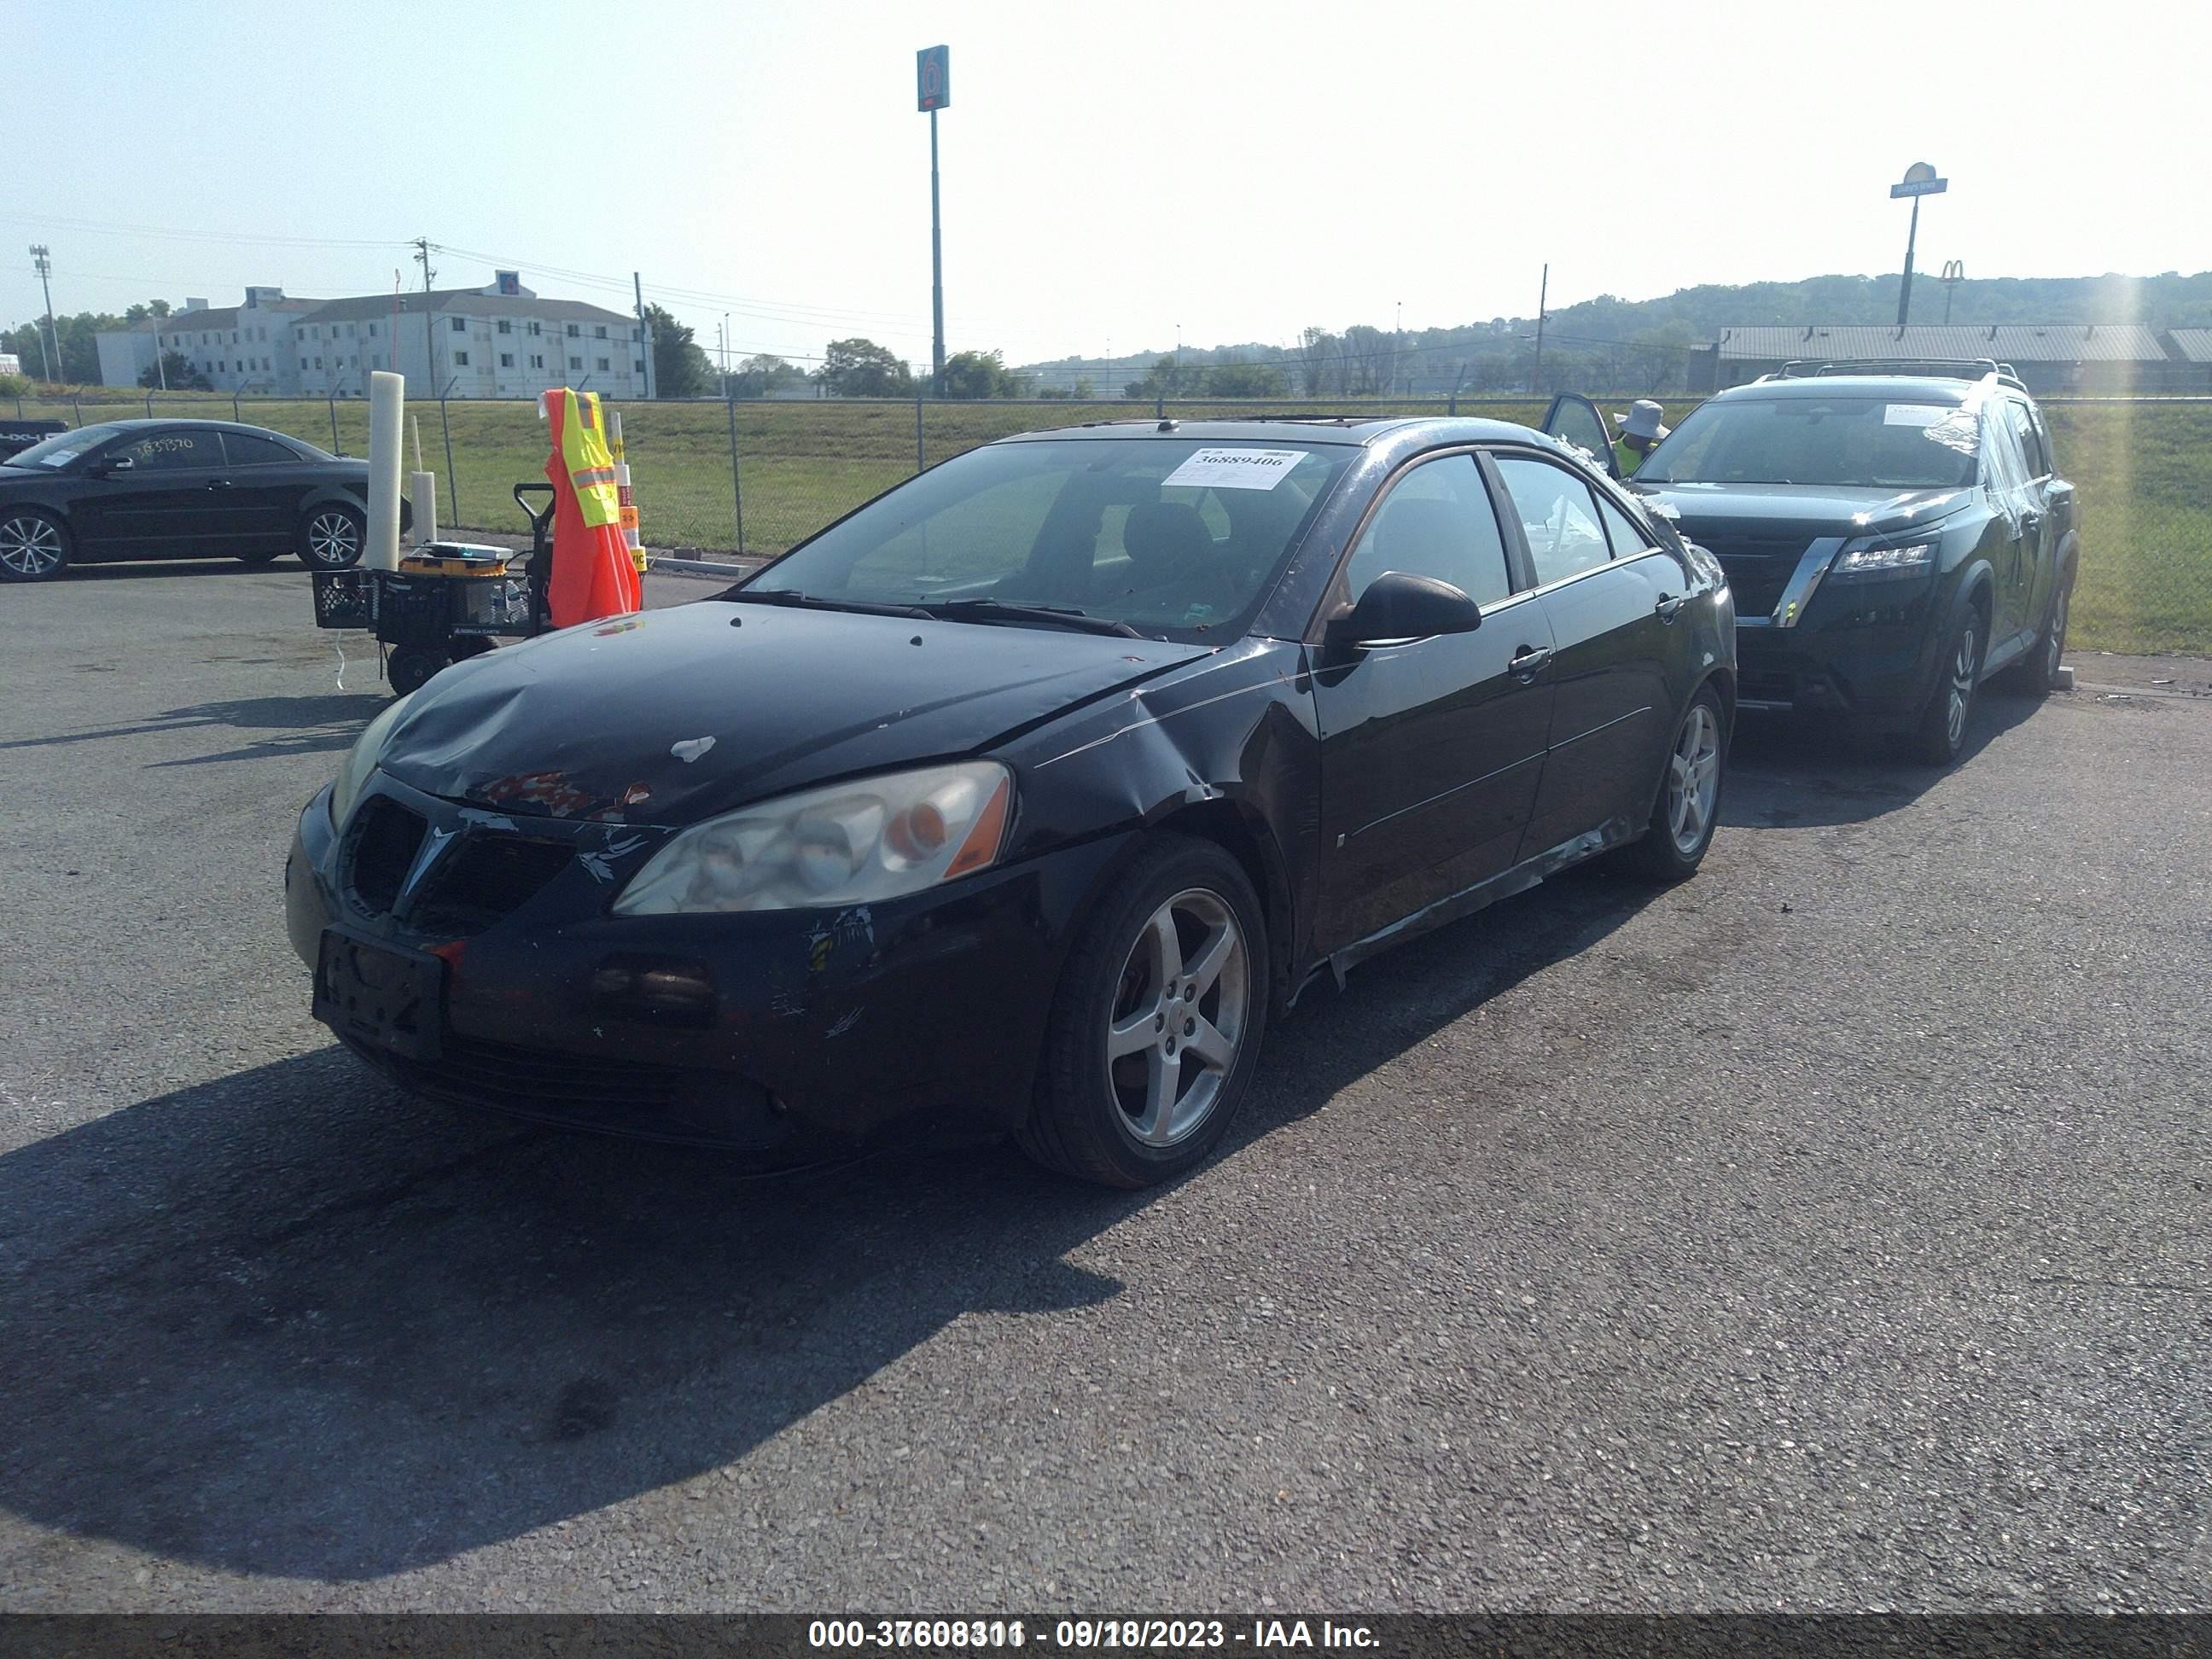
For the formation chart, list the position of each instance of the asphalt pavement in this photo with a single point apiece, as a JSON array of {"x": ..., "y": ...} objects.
[{"x": 1829, "y": 1232}]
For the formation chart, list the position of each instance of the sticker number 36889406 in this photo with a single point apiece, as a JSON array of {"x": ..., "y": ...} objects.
[{"x": 1236, "y": 469}]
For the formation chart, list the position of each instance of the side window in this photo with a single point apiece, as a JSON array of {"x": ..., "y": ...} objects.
[
  {"x": 1436, "y": 521},
  {"x": 1557, "y": 516},
  {"x": 2031, "y": 441},
  {"x": 173, "y": 450},
  {"x": 245, "y": 450},
  {"x": 1628, "y": 538}
]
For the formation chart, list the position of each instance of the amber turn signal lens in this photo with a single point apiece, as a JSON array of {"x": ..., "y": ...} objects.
[{"x": 981, "y": 847}]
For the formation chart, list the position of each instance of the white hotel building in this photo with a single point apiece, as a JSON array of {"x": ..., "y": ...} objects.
[{"x": 499, "y": 340}]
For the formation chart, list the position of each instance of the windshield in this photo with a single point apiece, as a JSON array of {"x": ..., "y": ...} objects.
[
  {"x": 1177, "y": 538},
  {"x": 64, "y": 447},
  {"x": 1895, "y": 443}
]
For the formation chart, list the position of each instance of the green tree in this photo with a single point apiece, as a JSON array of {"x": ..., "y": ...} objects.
[
  {"x": 969, "y": 376},
  {"x": 1237, "y": 379},
  {"x": 763, "y": 376},
  {"x": 860, "y": 368},
  {"x": 680, "y": 368},
  {"x": 175, "y": 374}
]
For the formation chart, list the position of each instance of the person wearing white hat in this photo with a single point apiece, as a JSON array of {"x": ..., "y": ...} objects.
[{"x": 1640, "y": 433}]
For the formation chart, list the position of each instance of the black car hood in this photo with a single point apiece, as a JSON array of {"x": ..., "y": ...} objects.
[
  {"x": 673, "y": 715},
  {"x": 1726, "y": 509}
]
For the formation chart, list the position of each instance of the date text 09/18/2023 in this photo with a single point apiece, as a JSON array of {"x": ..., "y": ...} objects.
[{"x": 1085, "y": 1634}]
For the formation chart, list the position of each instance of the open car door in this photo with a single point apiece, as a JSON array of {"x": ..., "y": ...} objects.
[{"x": 1573, "y": 419}]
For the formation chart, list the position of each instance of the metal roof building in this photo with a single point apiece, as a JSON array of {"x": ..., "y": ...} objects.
[{"x": 2051, "y": 357}]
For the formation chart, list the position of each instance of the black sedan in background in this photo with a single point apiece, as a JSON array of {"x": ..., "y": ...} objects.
[
  {"x": 178, "y": 489},
  {"x": 1033, "y": 789}
]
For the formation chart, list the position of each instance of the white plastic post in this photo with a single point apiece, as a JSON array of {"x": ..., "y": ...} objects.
[
  {"x": 621, "y": 489},
  {"x": 387, "y": 399},
  {"x": 422, "y": 496}
]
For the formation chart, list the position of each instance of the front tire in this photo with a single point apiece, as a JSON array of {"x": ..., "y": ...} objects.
[
  {"x": 34, "y": 546},
  {"x": 1941, "y": 733},
  {"x": 332, "y": 538},
  {"x": 1157, "y": 1025},
  {"x": 1688, "y": 809}
]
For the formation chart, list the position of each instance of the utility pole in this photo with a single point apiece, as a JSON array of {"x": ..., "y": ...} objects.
[
  {"x": 430, "y": 331},
  {"x": 725, "y": 354},
  {"x": 1543, "y": 293},
  {"x": 644, "y": 328},
  {"x": 43, "y": 264}
]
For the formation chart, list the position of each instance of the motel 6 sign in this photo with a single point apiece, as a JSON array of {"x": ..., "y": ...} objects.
[{"x": 932, "y": 78}]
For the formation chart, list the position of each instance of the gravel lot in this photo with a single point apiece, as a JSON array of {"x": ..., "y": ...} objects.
[{"x": 1831, "y": 1233}]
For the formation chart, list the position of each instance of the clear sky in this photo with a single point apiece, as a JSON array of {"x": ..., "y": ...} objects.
[{"x": 1110, "y": 171}]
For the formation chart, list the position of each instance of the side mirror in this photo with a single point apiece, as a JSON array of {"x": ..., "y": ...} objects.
[
  {"x": 1397, "y": 609},
  {"x": 115, "y": 464}
]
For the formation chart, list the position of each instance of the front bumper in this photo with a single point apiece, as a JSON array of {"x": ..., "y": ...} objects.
[
  {"x": 758, "y": 1030},
  {"x": 1862, "y": 647}
]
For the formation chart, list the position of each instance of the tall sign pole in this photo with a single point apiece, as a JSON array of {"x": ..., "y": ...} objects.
[
  {"x": 1919, "y": 180},
  {"x": 934, "y": 92}
]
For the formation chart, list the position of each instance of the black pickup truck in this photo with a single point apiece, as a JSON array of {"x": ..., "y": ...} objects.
[
  {"x": 1895, "y": 533},
  {"x": 15, "y": 436}
]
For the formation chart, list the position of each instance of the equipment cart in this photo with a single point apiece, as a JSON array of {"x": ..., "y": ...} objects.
[{"x": 447, "y": 600}]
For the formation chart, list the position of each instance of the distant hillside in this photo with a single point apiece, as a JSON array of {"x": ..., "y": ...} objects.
[{"x": 1618, "y": 345}]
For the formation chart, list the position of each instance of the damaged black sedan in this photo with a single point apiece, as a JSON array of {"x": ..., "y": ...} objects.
[{"x": 1030, "y": 790}]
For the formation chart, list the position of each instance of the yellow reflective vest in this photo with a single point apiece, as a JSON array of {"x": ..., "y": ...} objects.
[{"x": 583, "y": 451}]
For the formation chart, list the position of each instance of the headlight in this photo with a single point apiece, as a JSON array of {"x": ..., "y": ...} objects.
[
  {"x": 353, "y": 777},
  {"x": 1877, "y": 560},
  {"x": 851, "y": 844}
]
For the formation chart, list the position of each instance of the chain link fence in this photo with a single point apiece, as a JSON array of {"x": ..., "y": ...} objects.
[{"x": 716, "y": 477}]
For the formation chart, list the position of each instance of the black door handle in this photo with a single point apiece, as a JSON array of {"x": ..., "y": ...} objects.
[
  {"x": 1528, "y": 661},
  {"x": 1670, "y": 605},
  {"x": 220, "y": 483}
]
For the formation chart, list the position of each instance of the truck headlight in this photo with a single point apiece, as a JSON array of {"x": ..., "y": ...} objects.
[
  {"x": 361, "y": 765},
  {"x": 849, "y": 843},
  {"x": 1883, "y": 560}
]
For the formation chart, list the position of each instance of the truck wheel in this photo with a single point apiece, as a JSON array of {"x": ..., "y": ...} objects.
[
  {"x": 1157, "y": 1025},
  {"x": 1941, "y": 733}
]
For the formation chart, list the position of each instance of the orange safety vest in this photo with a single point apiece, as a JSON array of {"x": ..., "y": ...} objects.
[{"x": 583, "y": 451}]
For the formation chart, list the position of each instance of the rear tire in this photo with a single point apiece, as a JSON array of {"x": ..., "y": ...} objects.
[
  {"x": 1941, "y": 733},
  {"x": 2037, "y": 674},
  {"x": 1688, "y": 809},
  {"x": 34, "y": 546},
  {"x": 1157, "y": 1025},
  {"x": 332, "y": 538}
]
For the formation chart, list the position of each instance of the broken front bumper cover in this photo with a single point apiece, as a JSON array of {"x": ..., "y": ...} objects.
[{"x": 757, "y": 1029}]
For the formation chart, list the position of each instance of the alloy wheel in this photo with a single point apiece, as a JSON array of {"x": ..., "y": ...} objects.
[
  {"x": 30, "y": 546},
  {"x": 1960, "y": 692},
  {"x": 1181, "y": 1011},
  {"x": 333, "y": 539},
  {"x": 1693, "y": 772}
]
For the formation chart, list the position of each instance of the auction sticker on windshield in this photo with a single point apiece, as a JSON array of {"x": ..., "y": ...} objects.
[
  {"x": 1913, "y": 413},
  {"x": 1236, "y": 469}
]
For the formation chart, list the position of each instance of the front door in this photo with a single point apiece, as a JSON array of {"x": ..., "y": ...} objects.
[
  {"x": 1431, "y": 751},
  {"x": 169, "y": 499},
  {"x": 1609, "y": 615},
  {"x": 1573, "y": 419}
]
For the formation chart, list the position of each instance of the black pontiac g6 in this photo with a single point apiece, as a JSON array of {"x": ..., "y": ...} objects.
[{"x": 1032, "y": 788}]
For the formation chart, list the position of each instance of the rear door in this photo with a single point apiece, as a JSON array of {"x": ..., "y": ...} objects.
[
  {"x": 1610, "y": 618},
  {"x": 1431, "y": 751},
  {"x": 267, "y": 480},
  {"x": 1574, "y": 419},
  {"x": 2046, "y": 514},
  {"x": 2005, "y": 480},
  {"x": 170, "y": 499}
]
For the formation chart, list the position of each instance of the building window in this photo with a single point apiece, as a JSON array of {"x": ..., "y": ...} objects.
[
  {"x": 600, "y": 332},
  {"x": 575, "y": 363},
  {"x": 637, "y": 336},
  {"x": 222, "y": 367},
  {"x": 303, "y": 363},
  {"x": 575, "y": 332},
  {"x": 505, "y": 326},
  {"x": 353, "y": 362},
  {"x": 603, "y": 365},
  {"x": 537, "y": 361},
  {"x": 316, "y": 332},
  {"x": 371, "y": 331},
  {"x": 638, "y": 368},
  {"x": 535, "y": 329},
  {"x": 460, "y": 360},
  {"x": 507, "y": 360},
  {"x": 350, "y": 331},
  {"x": 460, "y": 324},
  {"x": 319, "y": 363}
]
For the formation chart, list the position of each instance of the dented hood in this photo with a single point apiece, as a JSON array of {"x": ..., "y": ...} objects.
[
  {"x": 1736, "y": 510},
  {"x": 674, "y": 715}
]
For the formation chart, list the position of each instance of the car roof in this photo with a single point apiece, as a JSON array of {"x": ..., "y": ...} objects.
[
  {"x": 1929, "y": 388},
  {"x": 136, "y": 423},
  {"x": 1348, "y": 431}
]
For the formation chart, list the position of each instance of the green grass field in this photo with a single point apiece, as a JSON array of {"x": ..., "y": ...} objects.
[{"x": 2144, "y": 469}]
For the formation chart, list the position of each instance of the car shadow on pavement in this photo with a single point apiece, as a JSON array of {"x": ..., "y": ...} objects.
[
  {"x": 130, "y": 570},
  {"x": 1786, "y": 774},
  {"x": 326, "y": 724},
  {"x": 291, "y": 1322}
]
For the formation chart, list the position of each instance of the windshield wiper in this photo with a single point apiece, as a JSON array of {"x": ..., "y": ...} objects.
[
  {"x": 813, "y": 602},
  {"x": 1051, "y": 615}
]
